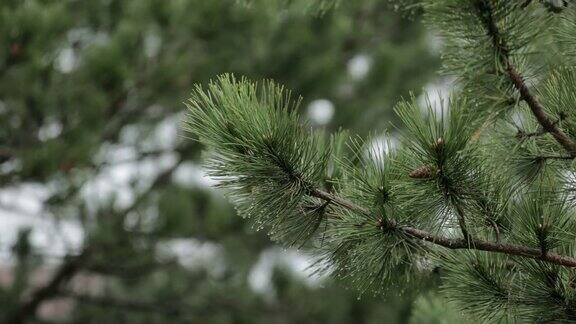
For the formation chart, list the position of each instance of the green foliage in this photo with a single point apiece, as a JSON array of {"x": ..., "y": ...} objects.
[
  {"x": 465, "y": 26},
  {"x": 496, "y": 32},
  {"x": 558, "y": 93},
  {"x": 543, "y": 221},
  {"x": 358, "y": 244},
  {"x": 564, "y": 31},
  {"x": 478, "y": 283},
  {"x": 547, "y": 293},
  {"x": 259, "y": 152},
  {"x": 439, "y": 158},
  {"x": 433, "y": 308}
]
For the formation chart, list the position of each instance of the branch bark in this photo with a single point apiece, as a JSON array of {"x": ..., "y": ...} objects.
[{"x": 456, "y": 243}]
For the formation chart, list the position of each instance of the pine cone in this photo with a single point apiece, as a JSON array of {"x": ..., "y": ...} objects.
[{"x": 423, "y": 172}]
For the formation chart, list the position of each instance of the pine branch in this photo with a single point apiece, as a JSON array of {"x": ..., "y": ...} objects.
[
  {"x": 456, "y": 243},
  {"x": 495, "y": 227},
  {"x": 385, "y": 215},
  {"x": 485, "y": 14},
  {"x": 538, "y": 111}
]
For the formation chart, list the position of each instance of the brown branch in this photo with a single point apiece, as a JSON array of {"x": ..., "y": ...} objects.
[
  {"x": 455, "y": 243},
  {"x": 481, "y": 245},
  {"x": 485, "y": 14},
  {"x": 496, "y": 229},
  {"x": 538, "y": 111}
]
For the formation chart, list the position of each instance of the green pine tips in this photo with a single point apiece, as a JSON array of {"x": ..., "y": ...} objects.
[
  {"x": 438, "y": 156},
  {"x": 477, "y": 282},
  {"x": 439, "y": 132},
  {"x": 543, "y": 219},
  {"x": 259, "y": 151}
]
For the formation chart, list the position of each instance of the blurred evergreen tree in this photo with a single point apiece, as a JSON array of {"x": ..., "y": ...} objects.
[{"x": 91, "y": 87}]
